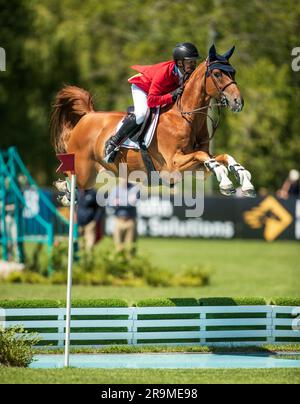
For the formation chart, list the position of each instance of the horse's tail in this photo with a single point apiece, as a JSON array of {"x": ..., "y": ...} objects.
[{"x": 70, "y": 105}]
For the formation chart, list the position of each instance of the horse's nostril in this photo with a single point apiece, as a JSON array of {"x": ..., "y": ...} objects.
[{"x": 239, "y": 102}]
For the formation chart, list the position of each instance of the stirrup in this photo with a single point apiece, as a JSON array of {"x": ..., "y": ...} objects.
[{"x": 110, "y": 158}]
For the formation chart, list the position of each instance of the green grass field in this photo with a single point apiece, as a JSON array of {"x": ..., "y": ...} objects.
[
  {"x": 149, "y": 376},
  {"x": 238, "y": 268}
]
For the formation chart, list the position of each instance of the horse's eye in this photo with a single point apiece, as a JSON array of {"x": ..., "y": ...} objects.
[{"x": 218, "y": 75}]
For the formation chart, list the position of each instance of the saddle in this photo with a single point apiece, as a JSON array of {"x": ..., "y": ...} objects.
[{"x": 143, "y": 138}]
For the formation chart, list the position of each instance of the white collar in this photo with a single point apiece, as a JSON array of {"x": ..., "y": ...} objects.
[{"x": 177, "y": 71}]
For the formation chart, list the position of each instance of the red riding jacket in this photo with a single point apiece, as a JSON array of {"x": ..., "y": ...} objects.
[{"x": 158, "y": 81}]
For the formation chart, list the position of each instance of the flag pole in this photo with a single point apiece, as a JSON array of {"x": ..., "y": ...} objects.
[
  {"x": 70, "y": 271},
  {"x": 68, "y": 165}
]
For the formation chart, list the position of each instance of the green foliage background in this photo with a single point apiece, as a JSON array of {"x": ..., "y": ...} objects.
[{"x": 92, "y": 44}]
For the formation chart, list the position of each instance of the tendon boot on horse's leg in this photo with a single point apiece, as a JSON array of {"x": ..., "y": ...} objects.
[
  {"x": 243, "y": 176},
  {"x": 65, "y": 200},
  {"x": 128, "y": 129},
  {"x": 221, "y": 173},
  {"x": 65, "y": 188},
  {"x": 61, "y": 185}
]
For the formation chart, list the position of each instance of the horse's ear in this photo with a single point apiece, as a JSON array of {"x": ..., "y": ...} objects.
[
  {"x": 229, "y": 53},
  {"x": 212, "y": 53}
]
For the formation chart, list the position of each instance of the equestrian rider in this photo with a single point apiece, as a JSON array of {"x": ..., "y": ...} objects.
[{"x": 153, "y": 86}]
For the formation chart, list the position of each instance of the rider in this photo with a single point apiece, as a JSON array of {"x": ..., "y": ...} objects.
[{"x": 153, "y": 86}]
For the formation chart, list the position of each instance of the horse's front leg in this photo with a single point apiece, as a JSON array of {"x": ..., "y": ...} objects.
[
  {"x": 184, "y": 162},
  {"x": 242, "y": 175}
]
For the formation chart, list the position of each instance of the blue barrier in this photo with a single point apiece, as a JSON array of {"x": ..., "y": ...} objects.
[{"x": 35, "y": 216}]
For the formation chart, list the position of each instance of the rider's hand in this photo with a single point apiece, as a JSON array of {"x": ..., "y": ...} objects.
[{"x": 176, "y": 93}]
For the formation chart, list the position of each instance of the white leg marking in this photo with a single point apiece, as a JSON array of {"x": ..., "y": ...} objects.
[
  {"x": 221, "y": 173},
  {"x": 242, "y": 175},
  {"x": 61, "y": 186}
]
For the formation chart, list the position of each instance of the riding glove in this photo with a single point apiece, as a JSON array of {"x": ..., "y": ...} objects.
[{"x": 176, "y": 93}]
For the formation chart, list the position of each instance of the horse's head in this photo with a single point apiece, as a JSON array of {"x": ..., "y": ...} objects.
[{"x": 220, "y": 80}]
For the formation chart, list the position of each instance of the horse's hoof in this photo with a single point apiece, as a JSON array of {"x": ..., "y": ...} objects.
[
  {"x": 64, "y": 200},
  {"x": 61, "y": 185},
  {"x": 249, "y": 193},
  {"x": 228, "y": 191}
]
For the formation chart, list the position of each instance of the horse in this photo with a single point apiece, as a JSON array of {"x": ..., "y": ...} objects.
[{"x": 181, "y": 141}]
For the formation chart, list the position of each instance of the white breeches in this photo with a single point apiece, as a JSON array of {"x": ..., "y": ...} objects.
[{"x": 140, "y": 103}]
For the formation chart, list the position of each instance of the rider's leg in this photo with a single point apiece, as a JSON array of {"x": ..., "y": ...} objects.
[
  {"x": 140, "y": 104},
  {"x": 131, "y": 123},
  {"x": 129, "y": 127}
]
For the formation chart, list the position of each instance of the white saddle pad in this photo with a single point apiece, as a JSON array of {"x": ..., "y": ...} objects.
[{"x": 129, "y": 144}]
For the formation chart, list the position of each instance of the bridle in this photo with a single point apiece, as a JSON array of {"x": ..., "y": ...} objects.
[
  {"x": 208, "y": 73},
  {"x": 222, "y": 100}
]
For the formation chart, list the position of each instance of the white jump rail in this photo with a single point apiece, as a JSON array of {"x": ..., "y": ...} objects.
[{"x": 256, "y": 325}]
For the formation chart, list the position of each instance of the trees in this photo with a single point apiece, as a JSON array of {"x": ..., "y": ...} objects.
[{"x": 92, "y": 44}]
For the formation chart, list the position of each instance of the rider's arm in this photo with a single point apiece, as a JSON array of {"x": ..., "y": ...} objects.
[{"x": 158, "y": 95}]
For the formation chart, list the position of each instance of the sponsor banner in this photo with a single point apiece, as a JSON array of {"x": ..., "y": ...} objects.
[{"x": 267, "y": 218}]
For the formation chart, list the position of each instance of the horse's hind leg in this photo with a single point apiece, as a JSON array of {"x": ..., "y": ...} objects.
[
  {"x": 242, "y": 175},
  {"x": 86, "y": 171},
  {"x": 63, "y": 186}
]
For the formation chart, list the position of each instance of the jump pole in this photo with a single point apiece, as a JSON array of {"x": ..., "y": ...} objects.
[{"x": 68, "y": 165}]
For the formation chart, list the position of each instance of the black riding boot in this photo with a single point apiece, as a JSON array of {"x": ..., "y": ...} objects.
[{"x": 128, "y": 129}]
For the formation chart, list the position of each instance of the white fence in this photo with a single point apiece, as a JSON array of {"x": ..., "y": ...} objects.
[{"x": 196, "y": 325}]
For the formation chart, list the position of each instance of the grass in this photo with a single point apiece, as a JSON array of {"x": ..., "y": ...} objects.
[
  {"x": 239, "y": 268},
  {"x": 150, "y": 376},
  {"x": 125, "y": 349}
]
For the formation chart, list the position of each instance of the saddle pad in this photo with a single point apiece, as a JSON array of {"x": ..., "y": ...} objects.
[{"x": 129, "y": 144}]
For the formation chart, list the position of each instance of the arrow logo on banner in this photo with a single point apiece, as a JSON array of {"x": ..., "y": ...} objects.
[{"x": 271, "y": 215}]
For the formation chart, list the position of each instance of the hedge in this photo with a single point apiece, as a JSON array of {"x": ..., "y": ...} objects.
[
  {"x": 286, "y": 301},
  {"x": 76, "y": 303},
  {"x": 167, "y": 302},
  {"x": 233, "y": 301},
  {"x": 213, "y": 301},
  {"x": 29, "y": 304},
  {"x": 158, "y": 302}
]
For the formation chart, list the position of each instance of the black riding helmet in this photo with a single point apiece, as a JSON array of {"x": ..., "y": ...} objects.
[{"x": 184, "y": 51}]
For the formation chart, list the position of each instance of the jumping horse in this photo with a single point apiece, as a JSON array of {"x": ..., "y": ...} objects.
[{"x": 181, "y": 141}]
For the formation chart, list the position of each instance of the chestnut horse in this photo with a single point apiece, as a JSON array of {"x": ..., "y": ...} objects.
[{"x": 181, "y": 141}]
